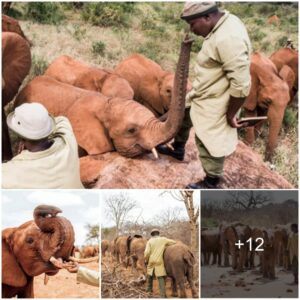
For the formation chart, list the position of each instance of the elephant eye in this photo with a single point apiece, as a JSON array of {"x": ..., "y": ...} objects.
[
  {"x": 29, "y": 240},
  {"x": 169, "y": 91},
  {"x": 131, "y": 130}
]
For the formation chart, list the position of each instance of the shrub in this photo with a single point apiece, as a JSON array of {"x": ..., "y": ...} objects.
[
  {"x": 197, "y": 45},
  {"x": 78, "y": 32},
  {"x": 108, "y": 14},
  {"x": 281, "y": 42},
  {"x": 257, "y": 35},
  {"x": 150, "y": 49},
  {"x": 290, "y": 119},
  {"x": 44, "y": 12},
  {"x": 38, "y": 66},
  {"x": 98, "y": 48}
]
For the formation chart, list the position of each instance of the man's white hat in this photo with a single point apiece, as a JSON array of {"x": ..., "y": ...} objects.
[{"x": 31, "y": 121}]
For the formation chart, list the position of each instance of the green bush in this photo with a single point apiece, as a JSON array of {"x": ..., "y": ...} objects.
[
  {"x": 44, "y": 12},
  {"x": 98, "y": 48},
  {"x": 290, "y": 119},
  {"x": 257, "y": 35},
  {"x": 150, "y": 49},
  {"x": 78, "y": 32},
  {"x": 197, "y": 45},
  {"x": 38, "y": 66},
  {"x": 108, "y": 14},
  {"x": 148, "y": 23},
  {"x": 281, "y": 42}
]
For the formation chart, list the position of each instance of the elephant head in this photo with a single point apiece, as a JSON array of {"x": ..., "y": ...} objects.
[
  {"x": 16, "y": 62},
  {"x": 102, "y": 124},
  {"x": 269, "y": 95},
  {"x": 28, "y": 250}
]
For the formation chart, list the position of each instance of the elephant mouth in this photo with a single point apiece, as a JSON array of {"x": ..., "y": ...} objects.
[{"x": 135, "y": 150}]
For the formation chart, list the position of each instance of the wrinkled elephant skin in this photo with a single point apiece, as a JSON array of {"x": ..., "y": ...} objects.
[
  {"x": 269, "y": 95},
  {"x": 27, "y": 249},
  {"x": 68, "y": 70}
]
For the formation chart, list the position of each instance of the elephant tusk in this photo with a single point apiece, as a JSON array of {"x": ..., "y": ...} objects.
[
  {"x": 170, "y": 146},
  {"x": 46, "y": 279},
  {"x": 83, "y": 260},
  {"x": 57, "y": 262},
  {"x": 154, "y": 151}
]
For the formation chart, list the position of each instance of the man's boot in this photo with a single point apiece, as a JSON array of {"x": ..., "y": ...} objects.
[
  {"x": 207, "y": 183},
  {"x": 149, "y": 284},
  {"x": 162, "y": 287},
  {"x": 177, "y": 153}
]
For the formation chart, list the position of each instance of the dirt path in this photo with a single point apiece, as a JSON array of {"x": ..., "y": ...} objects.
[
  {"x": 221, "y": 282},
  {"x": 64, "y": 285},
  {"x": 111, "y": 286}
]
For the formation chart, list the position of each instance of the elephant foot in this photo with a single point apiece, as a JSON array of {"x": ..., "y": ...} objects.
[{"x": 174, "y": 294}]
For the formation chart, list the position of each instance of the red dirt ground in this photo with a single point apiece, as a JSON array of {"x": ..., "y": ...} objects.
[
  {"x": 243, "y": 169},
  {"x": 64, "y": 285}
]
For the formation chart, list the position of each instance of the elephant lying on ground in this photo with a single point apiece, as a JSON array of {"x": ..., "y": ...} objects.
[
  {"x": 68, "y": 70},
  {"x": 10, "y": 24},
  {"x": 211, "y": 244},
  {"x": 287, "y": 57},
  {"x": 32, "y": 249},
  {"x": 102, "y": 124},
  {"x": 152, "y": 85},
  {"x": 269, "y": 95},
  {"x": 16, "y": 62},
  {"x": 89, "y": 251},
  {"x": 179, "y": 263}
]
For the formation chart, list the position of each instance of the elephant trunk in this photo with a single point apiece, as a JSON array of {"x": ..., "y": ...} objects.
[
  {"x": 60, "y": 234},
  {"x": 167, "y": 130}
]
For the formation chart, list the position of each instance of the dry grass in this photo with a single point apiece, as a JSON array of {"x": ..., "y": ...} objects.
[{"x": 75, "y": 38}]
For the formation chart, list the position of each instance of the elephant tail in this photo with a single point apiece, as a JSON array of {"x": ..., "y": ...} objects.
[
  {"x": 128, "y": 242},
  {"x": 189, "y": 258}
]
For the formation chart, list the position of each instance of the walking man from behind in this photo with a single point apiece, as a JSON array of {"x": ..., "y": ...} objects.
[{"x": 154, "y": 252}]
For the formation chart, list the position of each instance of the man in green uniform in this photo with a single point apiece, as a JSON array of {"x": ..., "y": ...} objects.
[
  {"x": 222, "y": 83},
  {"x": 48, "y": 158},
  {"x": 154, "y": 260},
  {"x": 292, "y": 248}
]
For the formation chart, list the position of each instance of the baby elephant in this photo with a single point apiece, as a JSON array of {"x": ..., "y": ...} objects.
[{"x": 179, "y": 263}]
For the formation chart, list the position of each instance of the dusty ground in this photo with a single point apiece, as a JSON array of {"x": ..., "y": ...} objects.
[
  {"x": 221, "y": 282},
  {"x": 117, "y": 282},
  {"x": 64, "y": 285},
  {"x": 243, "y": 169}
]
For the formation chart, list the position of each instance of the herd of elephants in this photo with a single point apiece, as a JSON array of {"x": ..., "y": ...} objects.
[
  {"x": 132, "y": 109},
  {"x": 138, "y": 105}
]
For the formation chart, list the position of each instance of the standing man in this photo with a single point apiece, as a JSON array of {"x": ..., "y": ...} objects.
[
  {"x": 292, "y": 249},
  {"x": 154, "y": 252},
  {"x": 222, "y": 83},
  {"x": 48, "y": 157}
]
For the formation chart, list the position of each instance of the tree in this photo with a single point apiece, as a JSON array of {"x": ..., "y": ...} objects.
[
  {"x": 193, "y": 213},
  {"x": 246, "y": 199},
  {"x": 118, "y": 207},
  {"x": 93, "y": 233}
]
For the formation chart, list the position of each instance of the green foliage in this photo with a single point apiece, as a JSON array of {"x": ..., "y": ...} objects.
[
  {"x": 78, "y": 32},
  {"x": 257, "y": 35},
  {"x": 108, "y": 14},
  {"x": 242, "y": 10},
  {"x": 44, "y": 12},
  {"x": 259, "y": 21},
  {"x": 281, "y": 42},
  {"x": 93, "y": 233},
  {"x": 38, "y": 66},
  {"x": 148, "y": 23},
  {"x": 290, "y": 118},
  {"x": 267, "y": 9},
  {"x": 98, "y": 48},
  {"x": 150, "y": 49},
  {"x": 197, "y": 45}
]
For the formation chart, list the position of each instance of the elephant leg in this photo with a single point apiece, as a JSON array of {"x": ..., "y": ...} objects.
[
  {"x": 275, "y": 117},
  {"x": 182, "y": 288},
  {"x": 191, "y": 282},
  {"x": 219, "y": 258},
  {"x": 250, "y": 132},
  {"x": 6, "y": 145},
  {"x": 214, "y": 258},
  {"x": 174, "y": 287}
]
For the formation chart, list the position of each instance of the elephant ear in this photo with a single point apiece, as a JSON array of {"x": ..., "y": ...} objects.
[
  {"x": 90, "y": 133},
  {"x": 189, "y": 258},
  {"x": 13, "y": 275},
  {"x": 286, "y": 73}
]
